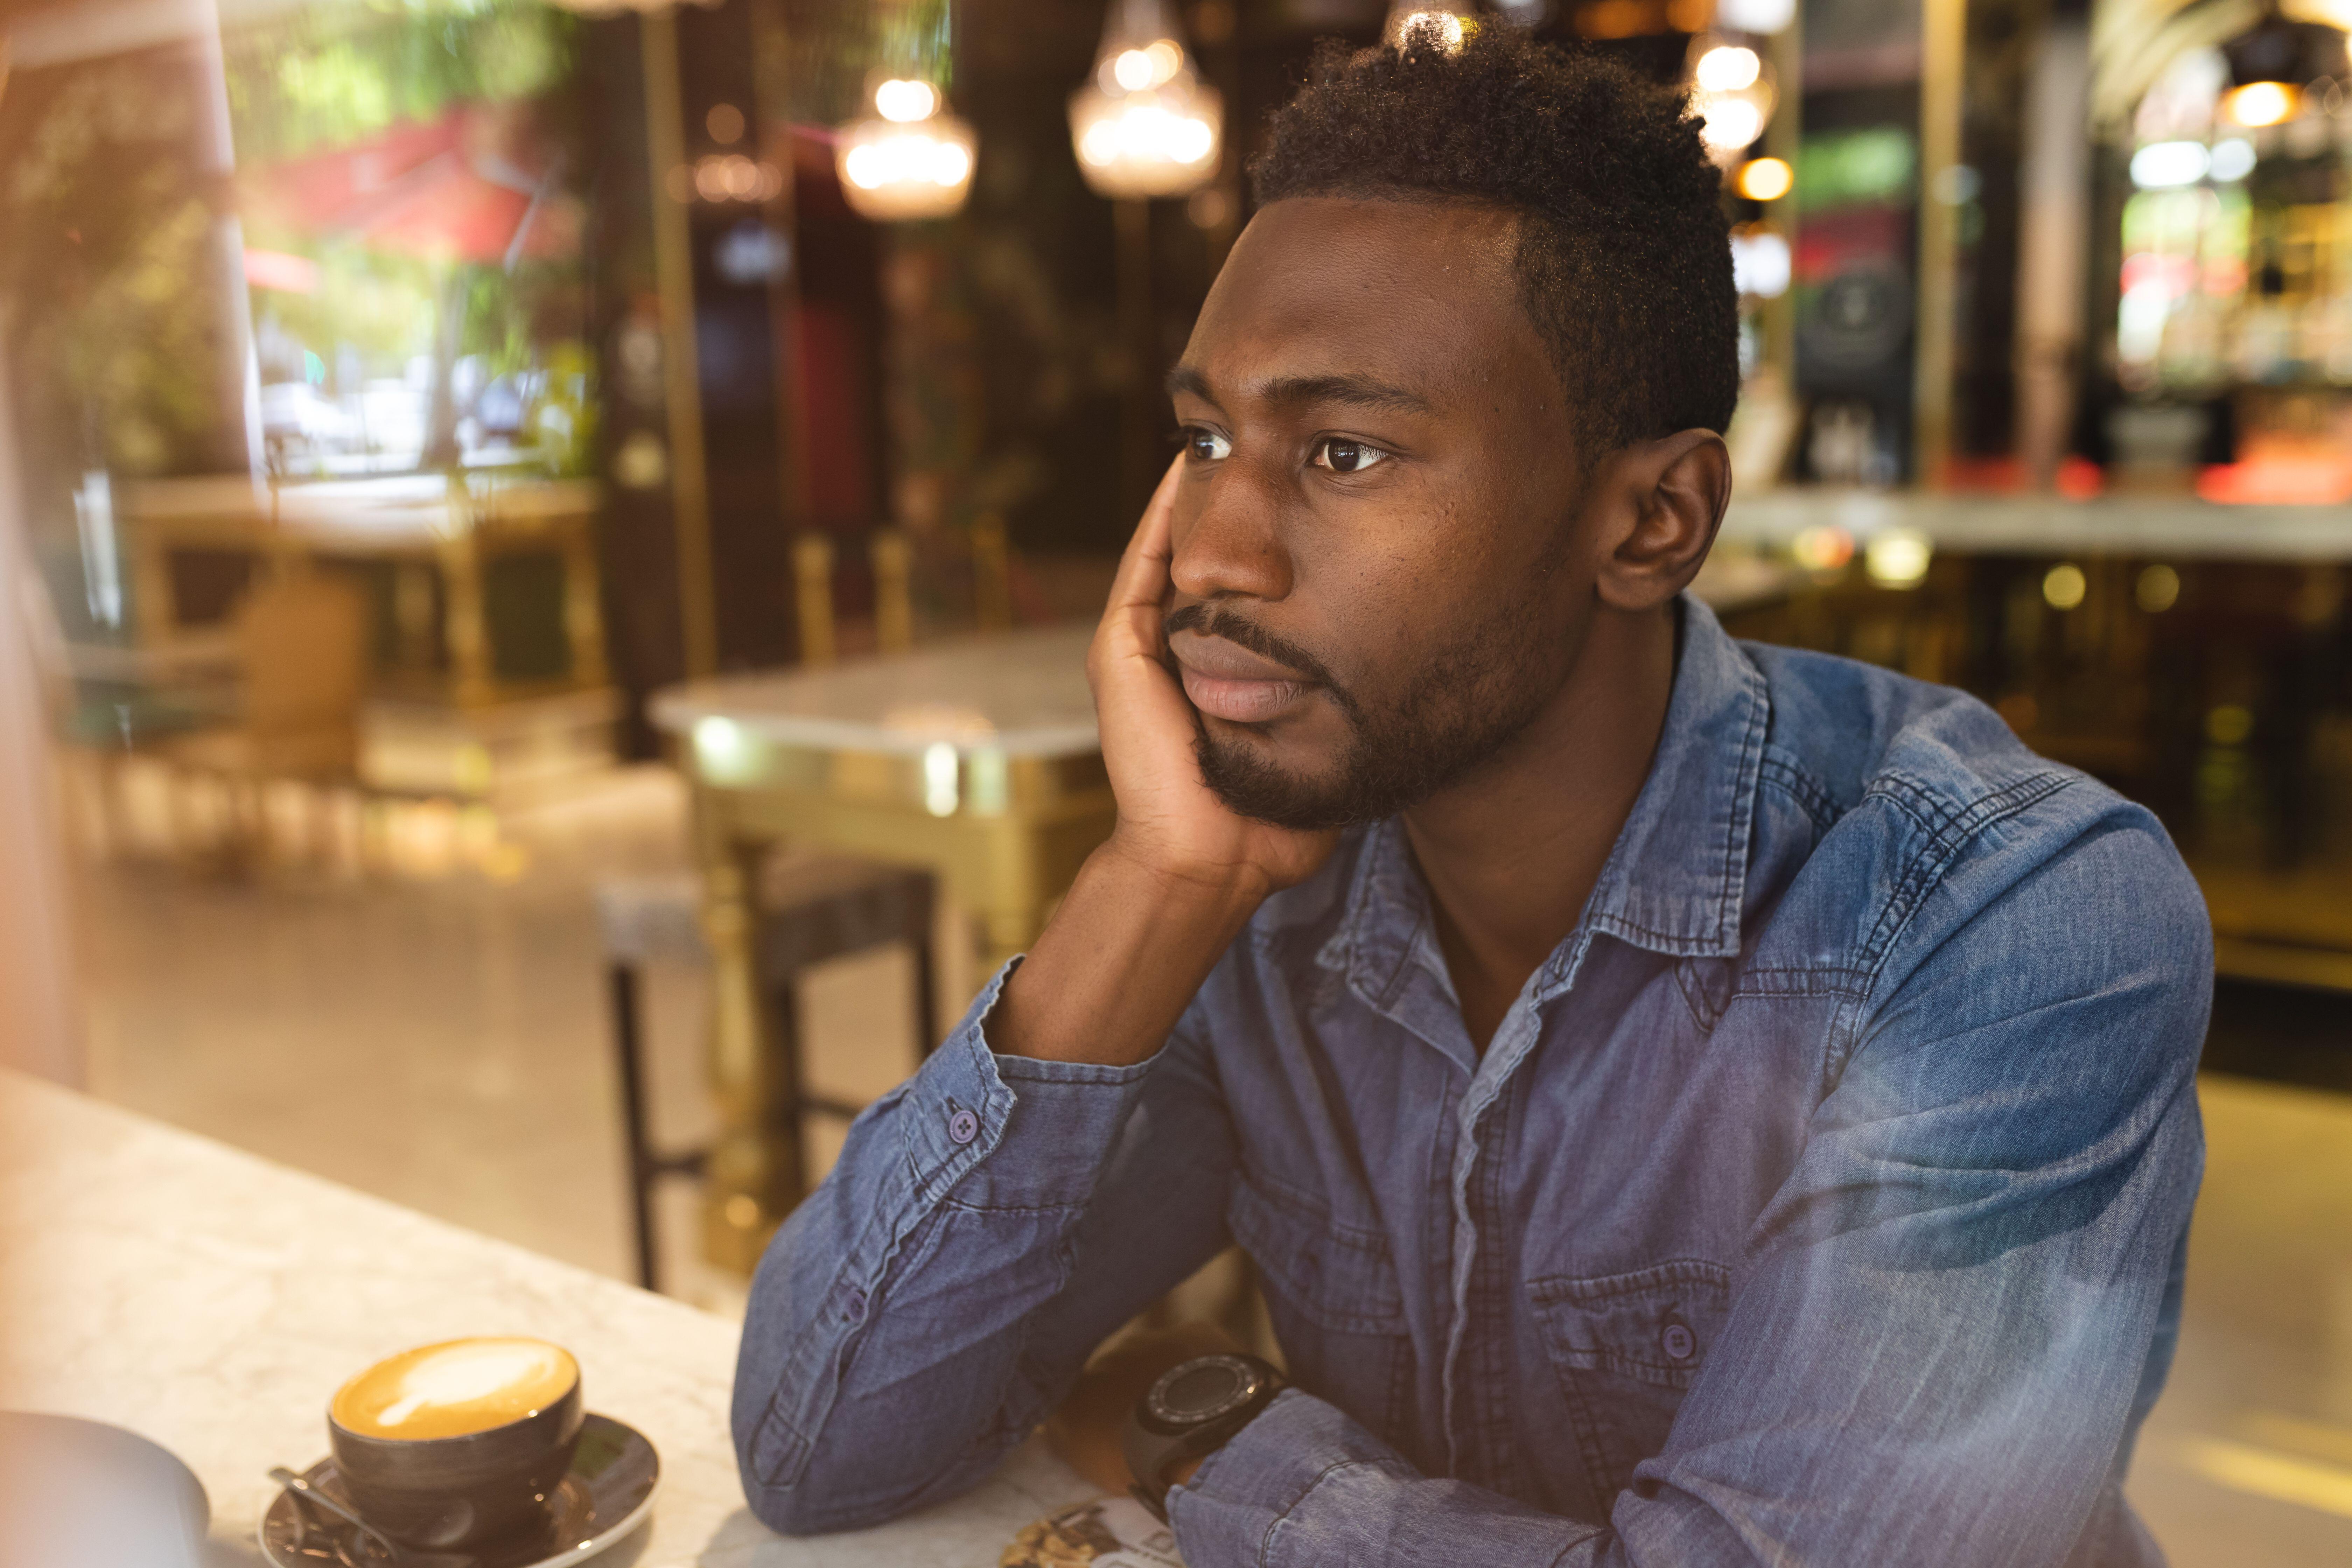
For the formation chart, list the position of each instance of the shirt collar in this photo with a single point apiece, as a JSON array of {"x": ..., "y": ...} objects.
[{"x": 1675, "y": 881}]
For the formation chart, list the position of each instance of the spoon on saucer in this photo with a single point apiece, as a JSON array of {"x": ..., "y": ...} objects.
[{"x": 396, "y": 1555}]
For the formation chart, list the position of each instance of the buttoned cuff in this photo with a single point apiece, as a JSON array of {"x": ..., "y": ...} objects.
[{"x": 1011, "y": 1132}]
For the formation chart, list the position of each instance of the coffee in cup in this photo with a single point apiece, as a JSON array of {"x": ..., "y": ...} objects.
[{"x": 458, "y": 1444}]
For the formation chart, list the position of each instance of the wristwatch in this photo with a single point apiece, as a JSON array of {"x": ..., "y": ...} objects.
[{"x": 1191, "y": 1412}]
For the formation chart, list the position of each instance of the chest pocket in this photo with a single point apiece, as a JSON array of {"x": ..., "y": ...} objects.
[
  {"x": 1625, "y": 1347},
  {"x": 1332, "y": 1292}
]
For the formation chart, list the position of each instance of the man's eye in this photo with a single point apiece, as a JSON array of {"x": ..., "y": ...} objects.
[
  {"x": 1345, "y": 457},
  {"x": 1205, "y": 446}
]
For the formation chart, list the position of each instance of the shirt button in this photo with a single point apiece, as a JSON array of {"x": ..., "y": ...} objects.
[
  {"x": 963, "y": 1126},
  {"x": 1678, "y": 1342},
  {"x": 854, "y": 1308}
]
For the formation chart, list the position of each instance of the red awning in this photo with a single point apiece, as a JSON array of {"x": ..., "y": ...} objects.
[{"x": 455, "y": 189}]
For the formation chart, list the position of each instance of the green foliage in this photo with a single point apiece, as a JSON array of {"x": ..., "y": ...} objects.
[
  {"x": 110, "y": 262},
  {"x": 324, "y": 75},
  {"x": 1875, "y": 167},
  {"x": 830, "y": 47},
  {"x": 377, "y": 301}
]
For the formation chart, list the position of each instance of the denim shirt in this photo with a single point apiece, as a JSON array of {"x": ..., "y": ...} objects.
[{"x": 1822, "y": 1200}]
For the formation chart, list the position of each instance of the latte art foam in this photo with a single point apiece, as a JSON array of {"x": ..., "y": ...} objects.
[{"x": 456, "y": 1387}]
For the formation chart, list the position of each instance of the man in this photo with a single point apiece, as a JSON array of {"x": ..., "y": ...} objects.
[{"x": 1686, "y": 1102}]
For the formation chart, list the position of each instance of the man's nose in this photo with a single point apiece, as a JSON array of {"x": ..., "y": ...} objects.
[{"x": 1228, "y": 542}]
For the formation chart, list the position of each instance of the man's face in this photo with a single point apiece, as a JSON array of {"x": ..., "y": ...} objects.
[{"x": 1379, "y": 578}]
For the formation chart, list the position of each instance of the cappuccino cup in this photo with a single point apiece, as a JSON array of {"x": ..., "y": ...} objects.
[{"x": 454, "y": 1444}]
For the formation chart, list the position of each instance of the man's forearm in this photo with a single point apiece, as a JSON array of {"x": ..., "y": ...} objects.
[{"x": 1120, "y": 961}]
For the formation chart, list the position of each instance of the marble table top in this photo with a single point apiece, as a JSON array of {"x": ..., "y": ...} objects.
[
  {"x": 1021, "y": 694},
  {"x": 213, "y": 1302}
]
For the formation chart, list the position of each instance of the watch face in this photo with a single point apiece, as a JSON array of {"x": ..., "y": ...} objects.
[{"x": 1202, "y": 1390}]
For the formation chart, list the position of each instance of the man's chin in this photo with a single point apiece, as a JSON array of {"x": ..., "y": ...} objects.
[{"x": 1246, "y": 771}]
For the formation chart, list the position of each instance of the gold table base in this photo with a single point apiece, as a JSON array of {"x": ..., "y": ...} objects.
[{"x": 1005, "y": 835}]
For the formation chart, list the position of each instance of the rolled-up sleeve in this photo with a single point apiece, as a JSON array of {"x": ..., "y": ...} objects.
[
  {"x": 988, "y": 1221},
  {"x": 1303, "y": 1483}
]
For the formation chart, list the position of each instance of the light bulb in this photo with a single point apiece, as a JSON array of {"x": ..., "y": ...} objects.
[
  {"x": 892, "y": 170},
  {"x": 1730, "y": 122},
  {"x": 1145, "y": 126},
  {"x": 1439, "y": 22},
  {"x": 1727, "y": 67},
  {"x": 1765, "y": 179},
  {"x": 905, "y": 101},
  {"x": 2262, "y": 103}
]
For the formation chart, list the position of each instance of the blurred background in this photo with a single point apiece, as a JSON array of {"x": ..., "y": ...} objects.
[{"x": 547, "y": 549}]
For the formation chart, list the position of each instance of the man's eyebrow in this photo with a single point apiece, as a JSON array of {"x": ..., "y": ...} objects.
[
  {"x": 1185, "y": 380},
  {"x": 1356, "y": 391}
]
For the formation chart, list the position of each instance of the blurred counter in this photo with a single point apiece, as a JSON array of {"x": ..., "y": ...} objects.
[
  {"x": 2197, "y": 657},
  {"x": 2180, "y": 527},
  {"x": 212, "y": 1301}
]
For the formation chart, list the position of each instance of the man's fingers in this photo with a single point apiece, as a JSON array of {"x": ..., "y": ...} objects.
[{"x": 1143, "y": 569}]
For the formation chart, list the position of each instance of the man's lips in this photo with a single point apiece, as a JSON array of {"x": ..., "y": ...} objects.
[{"x": 1226, "y": 680}]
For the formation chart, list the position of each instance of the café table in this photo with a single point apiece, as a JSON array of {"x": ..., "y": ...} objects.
[
  {"x": 975, "y": 758},
  {"x": 212, "y": 1301}
]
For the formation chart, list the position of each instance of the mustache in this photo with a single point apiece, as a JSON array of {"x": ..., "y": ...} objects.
[{"x": 1215, "y": 621}]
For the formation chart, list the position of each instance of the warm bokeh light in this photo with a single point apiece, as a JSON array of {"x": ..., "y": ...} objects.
[
  {"x": 1145, "y": 126},
  {"x": 2157, "y": 590},
  {"x": 917, "y": 171},
  {"x": 1133, "y": 70},
  {"x": 1448, "y": 24},
  {"x": 1821, "y": 548},
  {"x": 905, "y": 101},
  {"x": 916, "y": 157},
  {"x": 1897, "y": 557},
  {"x": 1729, "y": 122},
  {"x": 1141, "y": 139},
  {"x": 732, "y": 177},
  {"x": 1726, "y": 68},
  {"x": 909, "y": 158},
  {"x": 2262, "y": 103},
  {"x": 1765, "y": 179},
  {"x": 2063, "y": 586}
]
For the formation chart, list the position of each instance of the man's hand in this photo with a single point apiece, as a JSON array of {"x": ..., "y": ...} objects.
[
  {"x": 1170, "y": 822},
  {"x": 1154, "y": 908},
  {"x": 1089, "y": 1427}
]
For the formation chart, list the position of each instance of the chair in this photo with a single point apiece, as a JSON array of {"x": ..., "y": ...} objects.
[
  {"x": 301, "y": 657},
  {"x": 808, "y": 910}
]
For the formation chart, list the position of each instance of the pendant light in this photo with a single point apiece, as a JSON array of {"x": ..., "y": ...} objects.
[
  {"x": 1145, "y": 124},
  {"x": 907, "y": 157},
  {"x": 1445, "y": 23},
  {"x": 2273, "y": 63}
]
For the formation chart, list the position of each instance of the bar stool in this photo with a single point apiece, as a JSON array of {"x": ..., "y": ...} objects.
[{"x": 808, "y": 911}]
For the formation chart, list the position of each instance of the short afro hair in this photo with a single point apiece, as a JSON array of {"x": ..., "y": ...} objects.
[{"x": 1624, "y": 254}]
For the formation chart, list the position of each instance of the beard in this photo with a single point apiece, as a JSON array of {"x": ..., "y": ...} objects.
[{"x": 1473, "y": 695}]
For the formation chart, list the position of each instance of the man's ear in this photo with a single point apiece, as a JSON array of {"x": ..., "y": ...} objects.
[{"x": 1665, "y": 498}]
